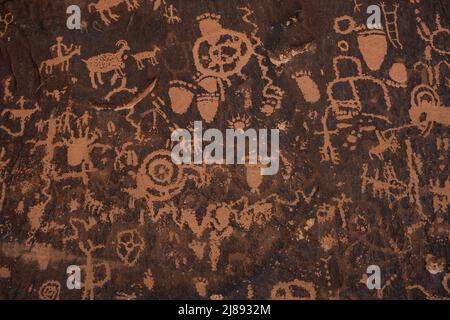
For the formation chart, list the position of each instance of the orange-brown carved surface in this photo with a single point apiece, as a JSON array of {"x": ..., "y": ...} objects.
[{"x": 86, "y": 176}]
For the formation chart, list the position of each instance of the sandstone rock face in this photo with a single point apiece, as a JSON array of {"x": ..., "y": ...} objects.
[{"x": 87, "y": 178}]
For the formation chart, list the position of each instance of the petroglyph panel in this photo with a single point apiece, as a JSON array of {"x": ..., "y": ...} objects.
[{"x": 87, "y": 178}]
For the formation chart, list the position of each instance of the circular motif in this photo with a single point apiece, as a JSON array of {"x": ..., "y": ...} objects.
[
  {"x": 50, "y": 290},
  {"x": 440, "y": 41},
  {"x": 345, "y": 25}
]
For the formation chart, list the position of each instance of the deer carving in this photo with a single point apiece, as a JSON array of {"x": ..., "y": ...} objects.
[
  {"x": 140, "y": 57},
  {"x": 103, "y": 7},
  {"x": 107, "y": 62}
]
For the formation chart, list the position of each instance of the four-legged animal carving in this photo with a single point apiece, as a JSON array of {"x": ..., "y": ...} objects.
[
  {"x": 103, "y": 7},
  {"x": 107, "y": 62},
  {"x": 140, "y": 57},
  {"x": 62, "y": 61}
]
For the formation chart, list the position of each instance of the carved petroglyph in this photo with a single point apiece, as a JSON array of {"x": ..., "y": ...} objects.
[
  {"x": 372, "y": 43},
  {"x": 107, "y": 62},
  {"x": 441, "y": 195},
  {"x": 121, "y": 88},
  {"x": 50, "y": 290},
  {"x": 22, "y": 114},
  {"x": 87, "y": 177},
  {"x": 5, "y": 21},
  {"x": 426, "y": 109},
  {"x": 169, "y": 12},
  {"x": 307, "y": 86},
  {"x": 287, "y": 290},
  {"x": 7, "y": 91},
  {"x": 62, "y": 54},
  {"x": 181, "y": 95},
  {"x": 437, "y": 39},
  {"x": 344, "y": 95},
  {"x": 387, "y": 185},
  {"x": 158, "y": 179},
  {"x": 3, "y": 164},
  {"x": 391, "y": 24},
  {"x": 220, "y": 54},
  {"x": 129, "y": 246},
  {"x": 104, "y": 9},
  {"x": 55, "y": 94},
  {"x": 96, "y": 274},
  {"x": 146, "y": 55}
]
